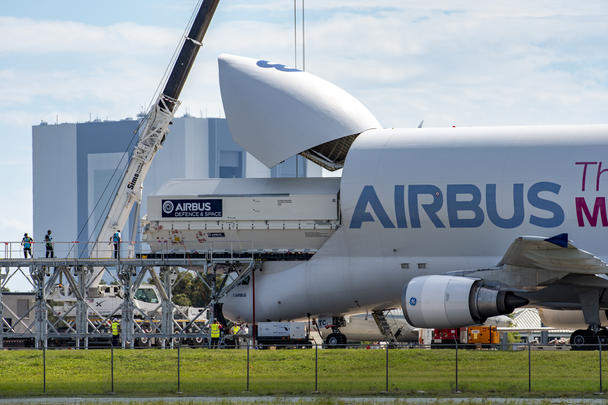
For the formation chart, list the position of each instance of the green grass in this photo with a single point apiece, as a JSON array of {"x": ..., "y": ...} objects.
[
  {"x": 292, "y": 372},
  {"x": 317, "y": 401}
]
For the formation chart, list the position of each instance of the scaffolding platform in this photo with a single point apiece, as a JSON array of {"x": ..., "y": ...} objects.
[
  {"x": 75, "y": 283},
  {"x": 154, "y": 261}
]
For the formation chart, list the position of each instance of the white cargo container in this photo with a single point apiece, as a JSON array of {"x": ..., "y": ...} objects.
[
  {"x": 280, "y": 214},
  {"x": 270, "y": 333}
]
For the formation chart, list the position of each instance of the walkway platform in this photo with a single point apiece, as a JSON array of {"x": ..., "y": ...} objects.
[{"x": 101, "y": 262}]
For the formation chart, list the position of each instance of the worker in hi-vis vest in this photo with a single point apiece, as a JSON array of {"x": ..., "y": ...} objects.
[
  {"x": 215, "y": 333},
  {"x": 234, "y": 335},
  {"x": 115, "y": 332}
]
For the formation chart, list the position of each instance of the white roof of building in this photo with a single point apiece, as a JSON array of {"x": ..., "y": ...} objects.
[
  {"x": 243, "y": 186},
  {"x": 275, "y": 112}
]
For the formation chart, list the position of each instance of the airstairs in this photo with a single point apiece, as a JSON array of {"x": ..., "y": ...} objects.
[{"x": 384, "y": 326}]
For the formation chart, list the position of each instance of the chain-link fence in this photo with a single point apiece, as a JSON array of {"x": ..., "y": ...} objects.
[{"x": 524, "y": 369}]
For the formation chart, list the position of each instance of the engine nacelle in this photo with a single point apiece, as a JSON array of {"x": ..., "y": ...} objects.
[{"x": 452, "y": 302}]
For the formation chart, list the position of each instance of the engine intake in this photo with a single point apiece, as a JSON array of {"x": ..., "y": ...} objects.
[{"x": 452, "y": 302}]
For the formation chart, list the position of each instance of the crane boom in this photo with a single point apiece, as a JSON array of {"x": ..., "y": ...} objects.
[{"x": 153, "y": 131}]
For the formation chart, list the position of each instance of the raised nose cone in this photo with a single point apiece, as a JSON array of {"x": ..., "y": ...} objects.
[{"x": 275, "y": 112}]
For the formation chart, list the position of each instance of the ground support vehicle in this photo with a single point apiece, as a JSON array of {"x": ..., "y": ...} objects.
[
  {"x": 470, "y": 337},
  {"x": 282, "y": 334}
]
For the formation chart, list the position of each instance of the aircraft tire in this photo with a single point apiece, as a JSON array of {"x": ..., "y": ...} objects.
[
  {"x": 335, "y": 340},
  {"x": 578, "y": 339},
  {"x": 143, "y": 342}
]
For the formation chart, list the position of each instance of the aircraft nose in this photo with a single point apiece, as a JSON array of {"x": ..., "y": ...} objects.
[{"x": 237, "y": 304}]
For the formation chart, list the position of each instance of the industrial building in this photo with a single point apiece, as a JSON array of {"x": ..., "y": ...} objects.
[{"x": 76, "y": 168}]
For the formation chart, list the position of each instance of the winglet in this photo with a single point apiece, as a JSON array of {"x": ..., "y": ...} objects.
[{"x": 560, "y": 240}]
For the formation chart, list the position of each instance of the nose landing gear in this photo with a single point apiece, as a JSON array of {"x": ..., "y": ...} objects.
[{"x": 335, "y": 340}]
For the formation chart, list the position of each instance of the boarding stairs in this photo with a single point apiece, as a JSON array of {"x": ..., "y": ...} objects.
[{"x": 383, "y": 325}]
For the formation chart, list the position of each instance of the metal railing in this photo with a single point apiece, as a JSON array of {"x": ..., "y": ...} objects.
[
  {"x": 127, "y": 249},
  {"x": 354, "y": 369},
  {"x": 71, "y": 250}
]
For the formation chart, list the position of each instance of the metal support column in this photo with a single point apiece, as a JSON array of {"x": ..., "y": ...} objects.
[
  {"x": 167, "y": 306},
  {"x": 126, "y": 317},
  {"x": 37, "y": 274},
  {"x": 82, "y": 309}
]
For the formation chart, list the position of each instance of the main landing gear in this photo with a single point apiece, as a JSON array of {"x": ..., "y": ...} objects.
[{"x": 587, "y": 339}]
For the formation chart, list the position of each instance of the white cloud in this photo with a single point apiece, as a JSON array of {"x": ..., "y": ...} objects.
[{"x": 27, "y": 36}]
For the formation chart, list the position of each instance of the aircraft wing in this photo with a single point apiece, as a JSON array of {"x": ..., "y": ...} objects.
[{"x": 552, "y": 254}]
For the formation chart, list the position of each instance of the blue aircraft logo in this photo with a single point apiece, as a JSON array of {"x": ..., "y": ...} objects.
[{"x": 277, "y": 66}]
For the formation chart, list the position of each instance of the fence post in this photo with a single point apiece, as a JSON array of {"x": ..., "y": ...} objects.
[
  {"x": 112, "y": 366},
  {"x": 179, "y": 345},
  {"x": 248, "y": 343},
  {"x": 457, "y": 390},
  {"x": 44, "y": 368},
  {"x": 316, "y": 368},
  {"x": 386, "y": 387},
  {"x": 600, "y": 346},
  {"x": 529, "y": 369}
]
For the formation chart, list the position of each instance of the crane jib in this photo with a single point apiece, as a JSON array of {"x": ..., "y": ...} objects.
[
  {"x": 131, "y": 184},
  {"x": 189, "y": 50}
]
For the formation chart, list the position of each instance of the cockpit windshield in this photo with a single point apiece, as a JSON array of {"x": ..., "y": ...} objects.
[{"x": 146, "y": 295}]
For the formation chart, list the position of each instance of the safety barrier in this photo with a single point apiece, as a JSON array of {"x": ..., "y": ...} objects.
[
  {"x": 525, "y": 369},
  {"x": 126, "y": 249},
  {"x": 71, "y": 250}
]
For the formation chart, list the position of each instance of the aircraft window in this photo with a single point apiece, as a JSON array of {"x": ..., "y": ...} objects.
[
  {"x": 422, "y": 265},
  {"x": 405, "y": 266},
  {"x": 146, "y": 295}
]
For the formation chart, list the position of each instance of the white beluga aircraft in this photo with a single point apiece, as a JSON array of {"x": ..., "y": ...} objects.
[{"x": 454, "y": 225}]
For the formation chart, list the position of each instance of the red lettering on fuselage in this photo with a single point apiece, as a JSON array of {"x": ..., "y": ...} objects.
[{"x": 599, "y": 209}]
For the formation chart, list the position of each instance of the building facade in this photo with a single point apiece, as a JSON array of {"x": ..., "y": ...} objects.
[{"x": 77, "y": 167}]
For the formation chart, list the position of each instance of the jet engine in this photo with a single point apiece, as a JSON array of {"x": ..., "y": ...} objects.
[{"x": 452, "y": 302}]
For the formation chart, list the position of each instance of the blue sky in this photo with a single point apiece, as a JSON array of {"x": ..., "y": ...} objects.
[{"x": 455, "y": 63}]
